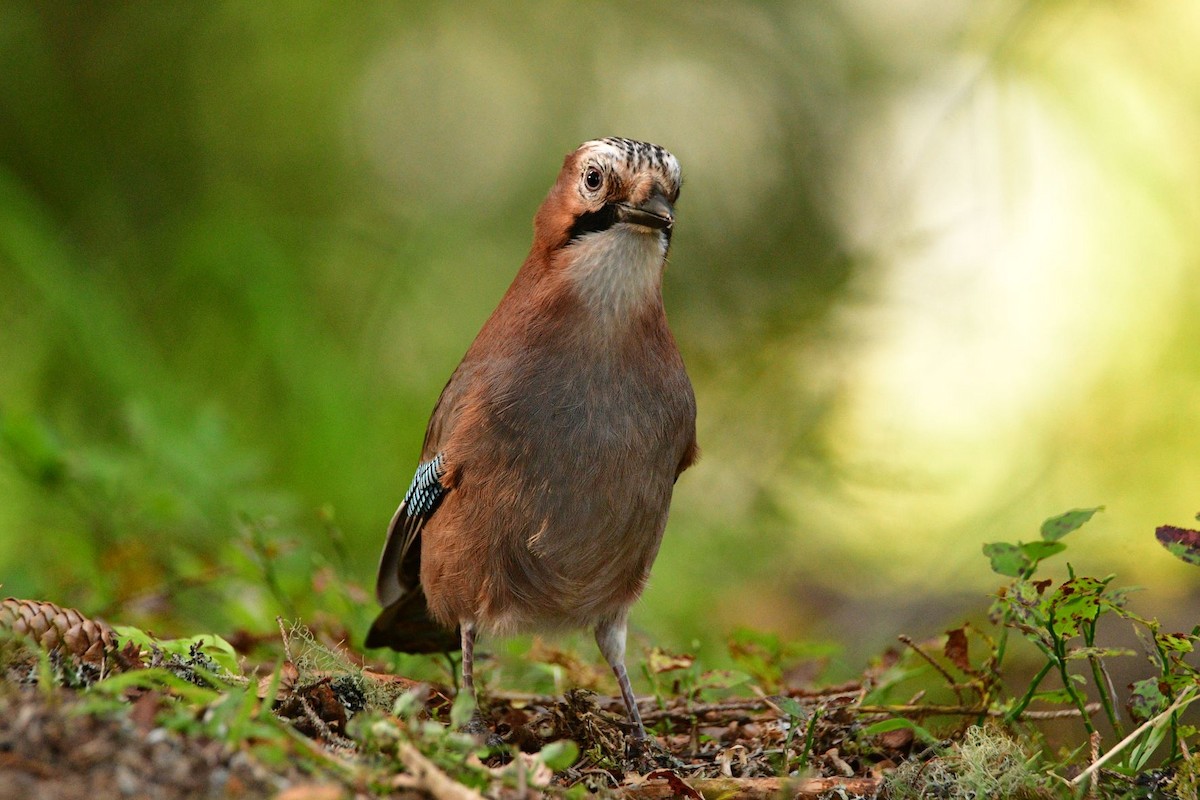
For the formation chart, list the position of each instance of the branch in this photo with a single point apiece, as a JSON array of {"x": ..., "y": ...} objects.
[
  {"x": 431, "y": 779},
  {"x": 1182, "y": 700}
]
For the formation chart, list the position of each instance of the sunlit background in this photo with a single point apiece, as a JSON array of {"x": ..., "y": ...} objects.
[{"x": 935, "y": 279}]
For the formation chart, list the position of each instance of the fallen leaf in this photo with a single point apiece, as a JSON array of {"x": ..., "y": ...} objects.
[
  {"x": 679, "y": 787},
  {"x": 956, "y": 649},
  {"x": 661, "y": 661}
]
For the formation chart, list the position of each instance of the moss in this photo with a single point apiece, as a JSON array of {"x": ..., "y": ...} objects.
[{"x": 985, "y": 764}]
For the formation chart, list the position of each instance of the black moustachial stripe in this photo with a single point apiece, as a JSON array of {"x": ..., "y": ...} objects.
[{"x": 593, "y": 221}]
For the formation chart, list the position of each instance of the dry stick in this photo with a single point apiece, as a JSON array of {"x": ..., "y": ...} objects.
[
  {"x": 969, "y": 711},
  {"x": 706, "y": 708},
  {"x": 283, "y": 634},
  {"x": 756, "y": 788},
  {"x": 905, "y": 639},
  {"x": 909, "y": 709},
  {"x": 1186, "y": 697},
  {"x": 1094, "y": 744},
  {"x": 431, "y": 779},
  {"x": 759, "y": 704}
]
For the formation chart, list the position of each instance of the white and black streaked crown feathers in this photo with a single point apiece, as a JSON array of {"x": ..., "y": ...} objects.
[
  {"x": 629, "y": 158},
  {"x": 614, "y": 175},
  {"x": 640, "y": 156}
]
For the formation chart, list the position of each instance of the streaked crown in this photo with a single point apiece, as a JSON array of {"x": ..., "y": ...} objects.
[{"x": 629, "y": 159}]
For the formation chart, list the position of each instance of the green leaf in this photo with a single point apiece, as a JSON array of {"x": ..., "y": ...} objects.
[
  {"x": 462, "y": 710},
  {"x": 214, "y": 647},
  {"x": 408, "y": 705},
  {"x": 1176, "y": 642},
  {"x": 1007, "y": 559},
  {"x": 156, "y": 678},
  {"x": 1146, "y": 699},
  {"x": 1076, "y": 602},
  {"x": 1055, "y": 528},
  {"x": 898, "y": 723},
  {"x": 128, "y": 633},
  {"x": 790, "y": 706},
  {"x": 559, "y": 755},
  {"x": 1036, "y": 551},
  {"x": 1054, "y": 696}
]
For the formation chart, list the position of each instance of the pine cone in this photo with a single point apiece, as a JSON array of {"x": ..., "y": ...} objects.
[{"x": 54, "y": 627}]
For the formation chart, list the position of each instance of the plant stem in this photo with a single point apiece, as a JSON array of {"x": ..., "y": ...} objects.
[
  {"x": 1104, "y": 685},
  {"x": 1019, "y": 708},
  {"x": 1060, "y": 659}
]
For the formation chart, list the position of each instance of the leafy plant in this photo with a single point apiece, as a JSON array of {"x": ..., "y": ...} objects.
[{"x": 1061, "y": 622}]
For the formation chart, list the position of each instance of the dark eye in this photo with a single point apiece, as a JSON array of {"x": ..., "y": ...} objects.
[{"x": 592, "y": 179}]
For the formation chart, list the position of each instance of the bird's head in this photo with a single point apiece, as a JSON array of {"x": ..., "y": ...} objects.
[
  {"x": 605, "y": 227},
  {"x": 610, "y": 185}
]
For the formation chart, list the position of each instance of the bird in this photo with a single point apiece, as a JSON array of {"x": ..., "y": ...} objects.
[{"x": 544, "y": 483}]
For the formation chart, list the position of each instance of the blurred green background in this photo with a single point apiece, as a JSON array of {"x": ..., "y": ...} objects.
[{"x": 935, "y": 279}]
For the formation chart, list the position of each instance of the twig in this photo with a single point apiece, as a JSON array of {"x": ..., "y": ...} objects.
[
  {"x": 907, "y": 640},
  {"x": 283, "y": 635},
  {"x": 931, "y": 710},
  {"x": 431, "y": 779},
  {"x": 756, "y": 788},
  {"x": 1094, "y": 745},
  {"x": 763, "y": 704},
  {"x": 701, "y": 709},
  {"x": 1180, "y": 701}
]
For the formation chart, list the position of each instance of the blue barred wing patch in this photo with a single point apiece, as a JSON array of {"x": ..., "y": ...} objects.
[{"x": 426, "y": 489}]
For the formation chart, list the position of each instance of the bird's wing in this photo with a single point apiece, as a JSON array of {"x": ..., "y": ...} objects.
[
  {"x": 399, "y": 566},
  {"x": 397, "y": 574}
]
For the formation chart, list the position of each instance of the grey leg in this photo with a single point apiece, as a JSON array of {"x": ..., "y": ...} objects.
[
  {"x": 468, "y": 658},
  {"x": 610, "y": 636},
  {"x": 475, "y": 725}
]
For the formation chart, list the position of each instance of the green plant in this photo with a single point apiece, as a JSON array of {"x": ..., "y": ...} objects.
[{"x": 1061, "y": 622}]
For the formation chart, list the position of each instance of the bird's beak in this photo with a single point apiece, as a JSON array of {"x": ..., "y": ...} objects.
[{"x": 656, "y": 212}]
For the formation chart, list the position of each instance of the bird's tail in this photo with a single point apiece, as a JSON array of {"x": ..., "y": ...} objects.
[{"x": 407, "y": 627}]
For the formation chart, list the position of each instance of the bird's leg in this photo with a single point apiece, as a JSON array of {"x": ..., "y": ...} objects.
[
  {"x": 468, "y": 658},
  {"x": 610, "y": 636},
  {"x": 475, "y": 724}
]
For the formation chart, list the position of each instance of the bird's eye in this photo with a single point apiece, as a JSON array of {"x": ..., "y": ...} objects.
[{"x": 592, "y": 179}]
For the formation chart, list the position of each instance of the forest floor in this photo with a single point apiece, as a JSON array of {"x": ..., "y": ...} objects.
[
  {"x": 169, "y": 722},
  {"x": 89, "y": 710},
  {"x": 194, "y": 718}
]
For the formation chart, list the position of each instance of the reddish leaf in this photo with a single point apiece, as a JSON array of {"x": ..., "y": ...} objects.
[
  {"x": 1182, "y": 543},
  {"x": 956, "y": 649},
  {"x": 660, "y": 661},
  {"x": 679, "y": 787}
]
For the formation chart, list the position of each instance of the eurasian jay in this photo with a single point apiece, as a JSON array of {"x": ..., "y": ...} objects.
[{"x": 544, "y": 483}]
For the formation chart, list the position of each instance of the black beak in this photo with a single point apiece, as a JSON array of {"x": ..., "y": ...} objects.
[{"x": 656, "y": 212}]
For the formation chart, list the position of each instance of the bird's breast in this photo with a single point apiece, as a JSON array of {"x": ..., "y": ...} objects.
[{"x": 567, "y": 445}]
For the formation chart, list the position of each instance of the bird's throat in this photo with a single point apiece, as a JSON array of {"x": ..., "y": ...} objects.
[{"x": 617, "y": 273}]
